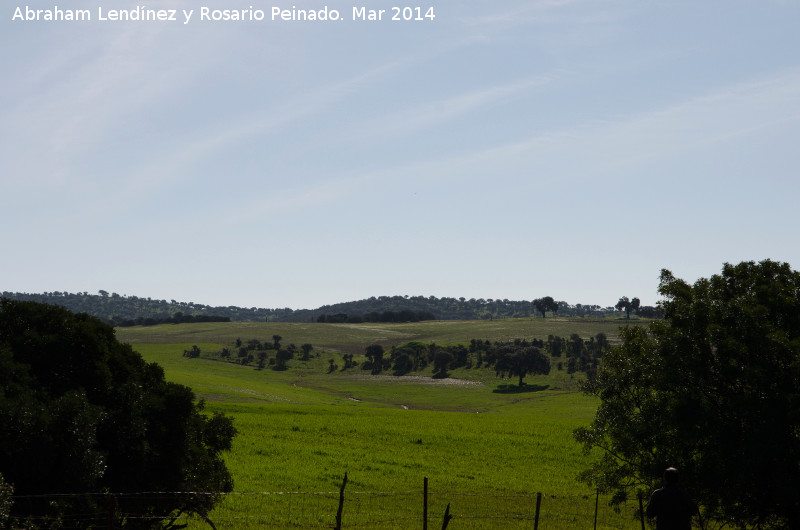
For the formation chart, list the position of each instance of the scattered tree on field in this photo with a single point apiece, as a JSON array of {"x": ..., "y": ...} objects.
[
  {"x": 194, "y": 353},
  {"x": 332, "y": 366},
  {"x": 348, "y": 361},
  {"x": 282, "y": 356},
  {"x": 441, "y": 362},
  {"x": 521, "y": 361},
  {"x": 402, "y": 364},
  {"x": 374, "y": 353}
]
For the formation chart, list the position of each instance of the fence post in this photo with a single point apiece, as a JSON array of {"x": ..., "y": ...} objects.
[
  {"x": 341, "y": 504},
  {"x": 447, "y": 517},
  {"x": 112, "y": 506},
  {"x": 536, "y": 517},
  {"x": 425, "y": 504},
  {"x": 641, "y": 510},
  {"x": 596, "y": 505}
]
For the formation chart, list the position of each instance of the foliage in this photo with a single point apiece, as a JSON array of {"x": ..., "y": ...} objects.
[
  {"x": 543, "y": 305},
  {"x": 521, "y": 361},
  {"x": 624, "y": 304},
  {"x": 373, "y": 352},
  {"x": 124, "y": 310},
  {"x": 6, "y": 491},
  {"x": 82, "y": 412},
  {"x": 712, "y": 390},
  {"x": 403, "y": 315}
]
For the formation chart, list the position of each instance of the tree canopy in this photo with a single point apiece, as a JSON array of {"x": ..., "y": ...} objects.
[
  {"x": 81, "y": 412},
  {"x": 624, "y": 304},
  {"x": 712, "y": 390},
  {"x": 545, "y": 304},
  {"x": 520, "y": 361}
]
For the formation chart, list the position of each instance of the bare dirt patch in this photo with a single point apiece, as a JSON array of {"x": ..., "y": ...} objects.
[{"x": 419, "y": 380}]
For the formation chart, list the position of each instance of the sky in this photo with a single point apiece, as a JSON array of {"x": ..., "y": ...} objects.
[{"x": 514, "y": 149}]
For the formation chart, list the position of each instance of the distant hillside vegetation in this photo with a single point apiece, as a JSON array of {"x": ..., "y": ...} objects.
[
  {"x": 123, "y": 309},
  {"x": 117, "y": 309}
]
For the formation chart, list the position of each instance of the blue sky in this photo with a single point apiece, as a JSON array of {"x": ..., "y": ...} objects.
[{"x": 515, "y": 149}]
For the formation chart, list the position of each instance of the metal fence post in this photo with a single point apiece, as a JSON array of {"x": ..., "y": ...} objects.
[{"x": 536, "y": 517}]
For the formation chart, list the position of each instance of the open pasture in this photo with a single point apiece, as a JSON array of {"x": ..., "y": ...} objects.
[
  {"x": 351, "y": 338},
  {"x": 486, "y": 447}
]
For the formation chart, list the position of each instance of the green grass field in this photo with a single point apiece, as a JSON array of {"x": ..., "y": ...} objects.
[{"x": 485, "y": 451}]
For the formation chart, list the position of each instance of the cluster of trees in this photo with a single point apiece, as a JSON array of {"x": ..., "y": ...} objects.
[
  {"x": 403, "y": 315},
  {"x": 513, "y": 358},
  {"x": 115, "y": 309},
  {"x": 445, "y": 308},
  {"x": 81, "y": 412},
  {"x": 177, "y": 318},
  {"x": 262, "y": 354},
  {"x": 713, "y": 390},
  {"x": 413, "y": 356},
  {"x": 472, "y": 309}
]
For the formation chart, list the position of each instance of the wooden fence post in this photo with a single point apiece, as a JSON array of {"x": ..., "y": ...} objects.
[
  {"x": 112, "y": 507},
  {"x": 447, "y": 517},
  {"x": 538, "y": 506},
  {"x": 596, "y": 505},
  {"x": 341, "y": 504},
  {"x": 425, "y": 504}
]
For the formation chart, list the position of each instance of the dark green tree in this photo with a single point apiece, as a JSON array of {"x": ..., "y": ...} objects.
[
  {"x": 624, "y": 304},
  {"x": 282, "y": 358},
  {"x": 712, "y": 390},
  {"x": 521, "y": 361},
  {"x": 635, "y": 303},
  {"x": 442, "y": 360},
  {"x": 81, "y": 412},
  {"x": 402, "y": 364},
  {"x": 545, "y": 304},
  {"x": 374, "y": 353}
]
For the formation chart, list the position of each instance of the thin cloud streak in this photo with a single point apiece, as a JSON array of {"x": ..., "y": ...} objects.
[{"x": 410, "y": 121}]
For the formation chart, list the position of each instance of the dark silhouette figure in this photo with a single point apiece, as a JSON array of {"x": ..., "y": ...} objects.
[{"x": 671, "y": 505}]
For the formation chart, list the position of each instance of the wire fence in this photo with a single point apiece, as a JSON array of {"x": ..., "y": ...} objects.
[{"x": 352, "y": 510}]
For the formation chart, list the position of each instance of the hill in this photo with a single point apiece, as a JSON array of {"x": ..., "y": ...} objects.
[{"x": 118, "y": 309}]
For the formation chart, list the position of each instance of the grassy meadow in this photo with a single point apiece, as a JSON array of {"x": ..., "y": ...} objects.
[{"x": 486, "y": 447}]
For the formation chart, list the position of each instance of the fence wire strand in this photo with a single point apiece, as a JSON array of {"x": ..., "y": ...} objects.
[{"x": 298, "y": 509}]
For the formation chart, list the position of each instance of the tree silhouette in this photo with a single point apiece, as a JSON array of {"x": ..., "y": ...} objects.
[
  {"x": 543, "y": 305},
  {"x": 713, "y": 389},
  {"x": 521, "y": 361}
]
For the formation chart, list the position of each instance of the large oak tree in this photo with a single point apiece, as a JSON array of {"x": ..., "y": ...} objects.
[{"x": 714, "y": 390}]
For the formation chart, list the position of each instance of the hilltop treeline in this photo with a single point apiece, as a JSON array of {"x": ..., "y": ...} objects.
[
  {"x": 177, "y": 318},
  {"x": 114, "y": 308},
  {"x": 386, "y": 316}
]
